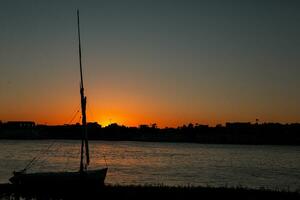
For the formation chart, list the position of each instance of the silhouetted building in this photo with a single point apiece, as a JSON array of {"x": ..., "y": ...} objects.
[
  {"x": 238, "y": 124},
  {"x": 93, "y": 125},
  {"x": 20, "y": 124},
  {"x": 143, "y": 126}
]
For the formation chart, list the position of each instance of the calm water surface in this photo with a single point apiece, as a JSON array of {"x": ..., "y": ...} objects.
[{"x": 274, "y": 167}]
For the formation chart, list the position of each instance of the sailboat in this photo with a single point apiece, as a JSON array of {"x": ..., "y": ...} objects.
[{"x": 82, "y": 177}]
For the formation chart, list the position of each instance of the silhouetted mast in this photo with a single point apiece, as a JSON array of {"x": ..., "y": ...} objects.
[{"x": 84, "y": 140}]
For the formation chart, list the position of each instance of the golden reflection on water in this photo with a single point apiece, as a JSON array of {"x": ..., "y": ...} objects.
[{"x": 164, "y": 163}]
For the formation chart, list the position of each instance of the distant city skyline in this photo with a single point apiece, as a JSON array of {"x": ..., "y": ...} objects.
[{"x": 167, "y": 62}]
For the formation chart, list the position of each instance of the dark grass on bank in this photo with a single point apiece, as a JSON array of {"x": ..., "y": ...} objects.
[{"x": 8, "y": 191}]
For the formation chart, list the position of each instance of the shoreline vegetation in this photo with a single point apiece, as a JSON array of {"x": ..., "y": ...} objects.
[
  {"x": 230, "y": 133},
  {"x": 8, "y": 191}
]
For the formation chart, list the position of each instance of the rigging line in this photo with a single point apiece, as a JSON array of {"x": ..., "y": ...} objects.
[
  {"x": 75, "y": 113},
  {"x": 42, "y": 161},
  {"x": 73, "y": 117},
  {"x": 38, "y": 156},
  {"x": 33, "y": 159}
]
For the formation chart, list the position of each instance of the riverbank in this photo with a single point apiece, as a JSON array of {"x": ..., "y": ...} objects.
[
  {"x": 231, "y": 133},
  {"x": 8, "y": 191}
]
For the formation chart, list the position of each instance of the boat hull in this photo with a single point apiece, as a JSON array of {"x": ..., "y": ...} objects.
[{"x": 91, "y": 178}]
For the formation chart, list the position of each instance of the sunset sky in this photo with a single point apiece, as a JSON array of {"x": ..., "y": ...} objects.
[{"x": 165, "y": 62}]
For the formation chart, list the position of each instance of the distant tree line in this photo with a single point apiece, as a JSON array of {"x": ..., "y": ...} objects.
[{"x": 230, "y": 133}]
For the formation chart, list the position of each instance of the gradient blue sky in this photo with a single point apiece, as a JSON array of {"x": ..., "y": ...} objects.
[{"x": 164, "y": 62}]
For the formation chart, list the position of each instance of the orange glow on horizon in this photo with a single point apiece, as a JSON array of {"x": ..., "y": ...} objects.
[
  {"x": 135, "y": 120},
  {"x": 133, "y": 112}
]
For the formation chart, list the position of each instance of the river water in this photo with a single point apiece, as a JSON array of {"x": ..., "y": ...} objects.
[{"x": 272, "y": 167}]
